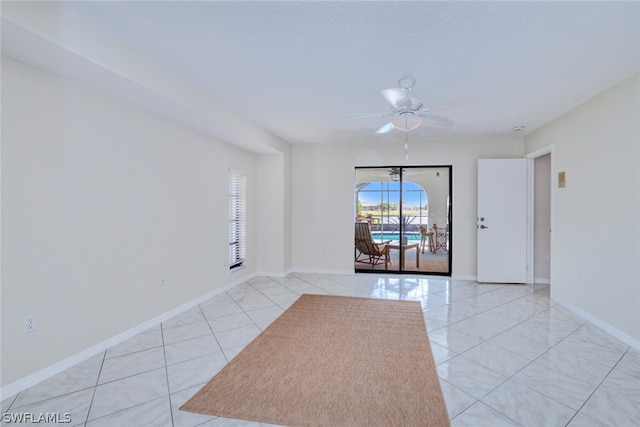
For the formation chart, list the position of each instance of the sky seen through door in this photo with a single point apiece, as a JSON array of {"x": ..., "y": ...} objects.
[{"x": 370, "y": 194}]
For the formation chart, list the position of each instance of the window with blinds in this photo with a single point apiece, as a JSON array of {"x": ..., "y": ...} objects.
[{"x": 237, "y": 218}]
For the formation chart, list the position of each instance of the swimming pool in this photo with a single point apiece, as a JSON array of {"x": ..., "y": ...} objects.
[{"x": 395, "y": 236}]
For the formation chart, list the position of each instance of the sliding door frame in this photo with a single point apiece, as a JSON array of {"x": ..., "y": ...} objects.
[{"x": 401, "y": 253}]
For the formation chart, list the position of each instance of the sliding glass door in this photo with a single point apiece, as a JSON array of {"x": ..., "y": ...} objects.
[{"x": 403, "y": 219}]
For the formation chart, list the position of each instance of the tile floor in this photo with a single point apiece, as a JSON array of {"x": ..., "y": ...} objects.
[{"x": 507, "y": 356}]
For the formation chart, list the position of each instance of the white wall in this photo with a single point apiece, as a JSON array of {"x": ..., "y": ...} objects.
[
  {"x": 437, "y": 190},
  {"x": 323, "y": 194},
  {"x": 595, "y": 264},
  {"x": 273, "y": 222},
  {"x": 110, "y": 217}
]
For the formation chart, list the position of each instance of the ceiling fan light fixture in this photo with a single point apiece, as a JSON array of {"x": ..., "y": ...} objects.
[
  {"x": 406, "y": 83},
  {"x": 406, "y": 122}
]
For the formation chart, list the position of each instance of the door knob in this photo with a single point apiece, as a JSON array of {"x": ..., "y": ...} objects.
[{"x": 482, "y": 226}]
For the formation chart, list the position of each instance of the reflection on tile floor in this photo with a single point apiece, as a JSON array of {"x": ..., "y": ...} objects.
[{"x": 506, "y": 355}]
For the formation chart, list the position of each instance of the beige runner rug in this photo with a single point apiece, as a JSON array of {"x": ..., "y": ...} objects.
[{"x": 333, "y": 361}]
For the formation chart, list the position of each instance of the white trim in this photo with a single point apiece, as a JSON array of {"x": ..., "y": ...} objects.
[
  {"x": 530, "y": 221},
  {"x": 539, "y": 152},
  {"x": 541, "y": 281},
  {"x": 274, "y": 273},
  {"x": 321, "y": 271},
  {"x": 627, "y": 339},
  {"x": 464, "y": 277},
  {"x": 68, "y": 362}
]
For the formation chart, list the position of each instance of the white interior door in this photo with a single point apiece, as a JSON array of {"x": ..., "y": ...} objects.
[{"x": 502, "y": 220}]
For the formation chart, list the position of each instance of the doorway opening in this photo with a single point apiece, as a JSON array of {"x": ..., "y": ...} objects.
[
  {"x": 403, "y": 220},
  {"x": 541, "y": 187}
]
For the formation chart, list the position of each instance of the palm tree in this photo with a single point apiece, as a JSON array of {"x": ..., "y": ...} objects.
[{"x": 403, "y": 221}]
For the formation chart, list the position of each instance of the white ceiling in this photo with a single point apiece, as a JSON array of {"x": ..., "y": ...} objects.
[{"x": 295, "y": 69}]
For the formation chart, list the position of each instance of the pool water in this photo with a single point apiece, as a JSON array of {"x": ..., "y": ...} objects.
[{"x": 395, "y": 236}]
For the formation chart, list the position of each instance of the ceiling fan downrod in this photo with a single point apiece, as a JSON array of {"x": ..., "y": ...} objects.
[{"x": 406, "y": 142}]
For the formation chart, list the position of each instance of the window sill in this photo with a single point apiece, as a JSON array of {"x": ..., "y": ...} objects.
[{"x": 236, "y": 268}]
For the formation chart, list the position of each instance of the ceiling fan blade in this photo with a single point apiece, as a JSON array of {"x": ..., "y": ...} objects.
[
  {"x": 397, "y": 98},
  {"x": 367, "y": 115},
  {"x": 436, "y": 121},
  {"x": 452, "y": 103},
  {"x": 386, "y": 128}
]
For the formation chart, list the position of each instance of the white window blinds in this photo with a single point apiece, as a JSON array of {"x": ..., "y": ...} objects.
[{"x": 237, "y": 218}]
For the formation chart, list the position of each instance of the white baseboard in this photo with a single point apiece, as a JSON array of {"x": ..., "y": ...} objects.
[
  {"x": 273, "y": 273},
  {"x": 537, "y": 281},
  {"x": 320, "y": 271},
  {"x": 626, "y": 338},
  {"x": 464, "y": 277},
  {"x": 68, "y": 362}
]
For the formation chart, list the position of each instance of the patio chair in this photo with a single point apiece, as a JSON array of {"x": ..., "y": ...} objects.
[
  {"x": 440, "y": 237},
  {"x": 367, "y": 250},
  {"x": 424, "y": 235}
]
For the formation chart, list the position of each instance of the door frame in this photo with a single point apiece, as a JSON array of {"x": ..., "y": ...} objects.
[
  {"x": 531, "y": 156},
  {"x": 450, "y": 208}
]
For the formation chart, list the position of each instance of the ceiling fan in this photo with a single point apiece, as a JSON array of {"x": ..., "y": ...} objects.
[{"x": 409, "y": 113}]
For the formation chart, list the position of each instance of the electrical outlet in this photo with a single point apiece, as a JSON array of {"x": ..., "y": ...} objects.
[{"x": 29, "y": 323}]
